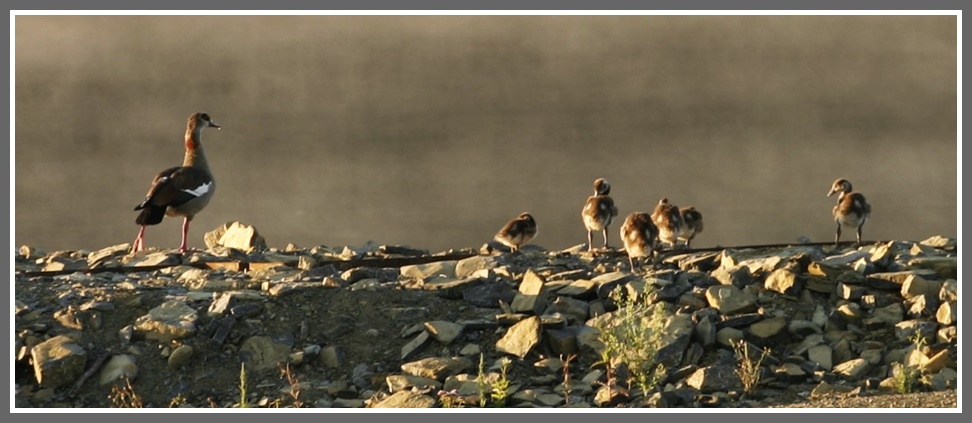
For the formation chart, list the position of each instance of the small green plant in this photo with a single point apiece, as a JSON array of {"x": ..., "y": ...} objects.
[
  {"x": 243, "y": 402},
  {"x": 484, "y": 387},
  {"x": 502, "y": 385},
  {"x": 906, "y": 378},
  {"x": 632, "y": 335},
  {"x": 748, "y": 369},
  {"x": 123, "y": 395}
]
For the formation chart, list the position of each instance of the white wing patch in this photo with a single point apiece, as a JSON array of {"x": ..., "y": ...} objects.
[{"x": 200, "y": 190}]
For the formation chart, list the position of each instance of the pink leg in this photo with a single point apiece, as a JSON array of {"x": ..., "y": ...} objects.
[
  {"x": 185, "y": 234},
  {"x": 139, "y": 242}
]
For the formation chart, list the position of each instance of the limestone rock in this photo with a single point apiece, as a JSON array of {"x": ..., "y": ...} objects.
[
  {"x": 235, "y": 235},
  {"x": 443, "y": 331},
  {"x": 437, "y": 368},
  {"x": 171, "y": 320},
  {"x": 715, "y": 378},
  {"x": 909, "y": 329},
  {"x": 915, "y": 285},
  {"x": 263, "y": 353},
  {"x": 402, "y": 382},
  {"x": 466, "y": 267},
  {"x": 428, "y": 271},
  {"x": 331, "y": 356},
  {"x": 739, "y": 276},
  {"x": 563, "y": 341},
  {"x": 155, "y": 259},
  {"x": 949, "y": 290},
  {"x": 822, "y": 355},
  {"x": 406, "y": 399},
  {"x": 58, "y": 361},
  {"x": 520, "y": 338},
  {"x": 947, "y": 312},
  {"x": 783, "y": 281},
  {"x": 531, "y": 296},
  {"x": 729, "y": 299},
  {"x": 768, "y": 332},
  {"x": 853, "y": 370},
  {"x": 943, "y": 267},
  {"x": 575, "y": 310}
]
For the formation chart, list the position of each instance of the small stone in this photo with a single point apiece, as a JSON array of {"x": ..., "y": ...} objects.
[
  {"x": 944, "y": 380},
  {"x": 850, "y": 292},
  {"x": 715, "y": 378},
  {"x": 891, "y": 315},
  {"x": 470, "y": 349},
  {"x": 946, "y": 314},
  {"x": 415, "y": 346},
  {"x": 578, "y": 288},
  {"x": 563, "y": 341},
  {"x": 331, "y": 356},
  {"x": 402, "y": 382},
  {"x": 729, "y": 336},
  {"x": 949, "y": 290},
  {"x": 909, "y": 329},
  {"x": 852, "y": 370},
  {"x": 705, "y": 332},
  {"x": 180, "y": 356},
  {"x": 442, "y": 331},
  {"x": 822, "y": 355},
  {"x": 118, "y": 367},
  {"x": 939, "y": 361},
  {"x": 783, "y": 281},
  {"x": 770, "y": 331},
  {"x": 947, "y": 334}
]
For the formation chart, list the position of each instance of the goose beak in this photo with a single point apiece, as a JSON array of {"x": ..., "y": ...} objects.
[
  {"x": 832, "y": 191},
  {"x": 214, "y": 125}
]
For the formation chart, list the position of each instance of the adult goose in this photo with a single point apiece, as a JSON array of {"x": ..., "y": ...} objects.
[{"x": 182, "y": 190}]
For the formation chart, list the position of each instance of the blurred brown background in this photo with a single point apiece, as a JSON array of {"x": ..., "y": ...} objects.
[{"x": 434, "y": 131}]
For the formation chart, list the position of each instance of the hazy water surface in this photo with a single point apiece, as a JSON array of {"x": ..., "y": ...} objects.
[{"x": 434, "y": 131}]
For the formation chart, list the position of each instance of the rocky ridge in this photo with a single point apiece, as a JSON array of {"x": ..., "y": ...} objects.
[{"x": 395, "y": 326}]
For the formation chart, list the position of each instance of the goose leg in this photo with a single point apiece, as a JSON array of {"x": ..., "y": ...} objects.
[
  {"x": 185, "y": 234},
  {"x": 859, "y": 228},
  {"x": 631, "y": 262},
  {"x": 139, "y": 242},
  {"x": 590, "y": 240},
  {"x": 837, "y": 238},
  {"x": 604, "y": 231}
]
